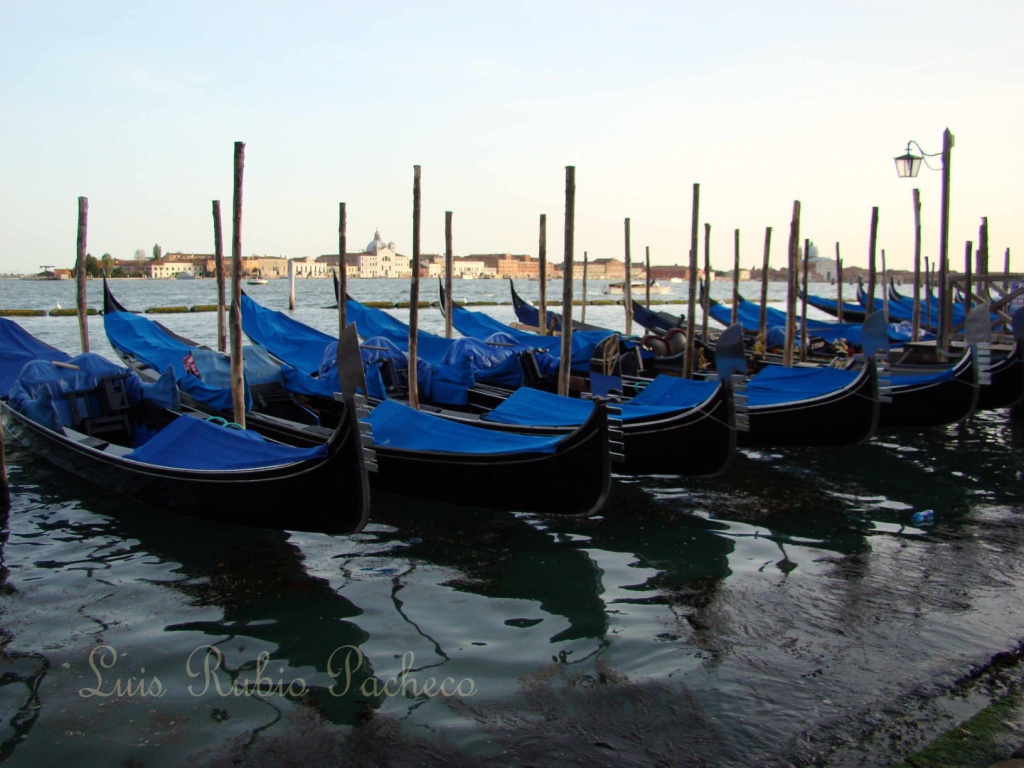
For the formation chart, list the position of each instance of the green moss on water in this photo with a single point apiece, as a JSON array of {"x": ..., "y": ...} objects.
[
  {"x": 165, "y": 310},
  {"x": 22, "y": 312},
  {"x": 204, "y": 308},
  {"x": 989, "y": 736},
  {"x": 407, "y": 304},
  {"x": 381, "y": 304}
]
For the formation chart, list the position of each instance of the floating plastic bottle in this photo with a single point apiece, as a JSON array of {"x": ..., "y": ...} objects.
[{"x": 924, "y": 517}]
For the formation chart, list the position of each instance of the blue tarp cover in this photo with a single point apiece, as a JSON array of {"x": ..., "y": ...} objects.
[
  {"x": 39, "y": 392},
  {"x": 534, "y": 407},
  {"x": 191, "y": 443},
  {"x": 17, "y": 347},
  {"x": 478, "y": 325},
  {"x": 371, "y": 321},
  {"x": 148, "y": 342},
  {"x": 749, "y": 316},
  {"x": 399, "y": 426},
  {"x": 288, "y": 339},
  {"x": 776, "y": 384}
]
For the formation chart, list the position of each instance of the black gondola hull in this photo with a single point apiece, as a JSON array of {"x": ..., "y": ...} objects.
[
  {"x": 1006, "y": 389},
  {"x": 932, "y": 404},
  {"x": 845, "y": 417},
  {"x": 328, "y": 495}
]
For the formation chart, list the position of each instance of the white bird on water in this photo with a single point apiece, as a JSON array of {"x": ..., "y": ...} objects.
[{"x": 58, "y": 305}]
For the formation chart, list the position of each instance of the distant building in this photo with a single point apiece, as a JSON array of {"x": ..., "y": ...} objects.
[{"x": 381, "y": 260}]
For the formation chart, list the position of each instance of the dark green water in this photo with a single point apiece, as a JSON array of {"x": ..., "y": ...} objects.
[{"x": 782, "y": 614}]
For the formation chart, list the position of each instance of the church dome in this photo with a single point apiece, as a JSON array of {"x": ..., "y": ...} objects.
[{"x": 377, "y": 244}]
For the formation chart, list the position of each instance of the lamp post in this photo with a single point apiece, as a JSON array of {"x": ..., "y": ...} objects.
[{"x": 907, "y": 166}]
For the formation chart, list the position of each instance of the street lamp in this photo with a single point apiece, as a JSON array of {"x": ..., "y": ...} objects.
[{"x": 907, "y": 166}]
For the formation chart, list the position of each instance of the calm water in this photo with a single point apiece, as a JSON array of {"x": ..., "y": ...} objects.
[{"x": 782, "y": 614}]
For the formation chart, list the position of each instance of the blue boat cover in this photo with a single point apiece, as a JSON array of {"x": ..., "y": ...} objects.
[
  {"x": 534, "y": 407},
  {"x": 750, "y": 318},
  {"x": 371, "y": 321},
  {"x": 777, "y": 385},
  {"x": 40, "y": 390},
  {"x": 663, "y": 396},
  {"x": 288, "y": 339},
  {"x": 399, "y": 426},
  {"x": 192, "y": 443},
  {"x": 478, "y": 325},
  {"x": 832, "y": 305},
  {"x": 17, "y": 347}
]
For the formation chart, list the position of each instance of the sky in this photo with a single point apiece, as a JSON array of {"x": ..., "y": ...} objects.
[{"x": 137, "y": 107}]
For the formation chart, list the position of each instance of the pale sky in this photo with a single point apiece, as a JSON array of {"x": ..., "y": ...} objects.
[{"x": 137, "y": 106}]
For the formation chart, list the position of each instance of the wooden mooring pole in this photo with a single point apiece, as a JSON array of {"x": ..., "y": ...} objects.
[
  {"x": 794, "y": 260},
  {"x": 803, "y": 301},
  {"x": 916, "y": 316},
  {"x": 705, "y": 304},
  {"x": 83, "y": 309},
  {"x": 414, "y": 293},
  {"x": 691, "y": 319},
  {"x": 647, "y": 277},
  {"x": 839, "y": 285},
  {"x": 342, "y": 271},
  {"x": 448, "y": 264},
  {"x": 542, "y": 254},
  {"x": 565, "y": 362},
  {"x": 583, "y": 311},
  {"x": 627, "y": 287},
  {"x": 872, "y": 274},
  {"x": 736, "y": 276},
  {"x": 218, "y": 266},
  {"x": 237, "y": 369},
  {"x": 762, "y": 322}
]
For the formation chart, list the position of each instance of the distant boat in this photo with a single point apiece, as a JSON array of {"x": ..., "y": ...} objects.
[
  {"x": 185, "y": 276},
  {"x": 638, "y": 287},
  {"x": 260, "y": 281}
]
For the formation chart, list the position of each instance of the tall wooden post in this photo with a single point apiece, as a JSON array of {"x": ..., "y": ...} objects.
[
  {"x": 83, "y": 308},
  {"x": 414, "y": 293},
  {"x": 982, "y": 269},
  {"x": 291, "y": 285},
  {"x": 1006, "y": 268},
  {"x": 945, "y": 308},
  {"x": 627, "y": 287},
  {"x": 342, "y": 271},
  {"x": 705, "y": 305},
  {"x": 762, "y": 322},
  {"x": 235, "y": 320},
  {"x": 794, "y": 249},
  {"x": 803, "y": 301},
  {"x": 736, "y": 277},
  {"x": 583, "y": 311},
  {"x": 691, "y": 319},
  {"x": 218, "y": 266},
  {"x": 448, "y": 265},
  {"x": 916, "y": 316},
  {"x": 928, "y": 292},
  {"x": 542, "y": 303},
  {"x": 565, "y": 362},
  {"x": 872, "y": 274},
  {"x": 968, "y": 283},
  {"x": 839, "y": 284},
  {"x": 647, "y": 276},
  {"x": 885, "y": 289}
]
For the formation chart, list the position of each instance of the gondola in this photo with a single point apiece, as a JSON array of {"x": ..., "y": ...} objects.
[
  {"x": 786, "y": 406},
  {"x": 419, "y": 454},
  {"x": 689, "y": 430},
  {"x": 915, "y": 395},
  {"x": 100, "y": 422},
  {"x": 529, "y": 315}
]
